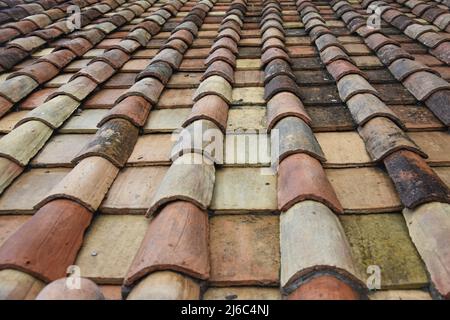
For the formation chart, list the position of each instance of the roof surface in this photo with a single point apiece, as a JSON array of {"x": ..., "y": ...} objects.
[{"x": 352, "y": 195}]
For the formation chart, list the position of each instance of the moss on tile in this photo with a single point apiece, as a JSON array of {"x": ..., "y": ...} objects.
[{"x": 383, "y": 240}]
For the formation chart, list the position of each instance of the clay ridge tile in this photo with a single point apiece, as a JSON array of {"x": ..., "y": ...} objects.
[
  {"x": 78, "y": 89},
  {"x": 114, "y": 141},
  {"x": 354, "y": 84},
  {"x": 307, "y": 253},
  {"x": 9, "y": 57},
  {"x": 115, "y": 58},
  {"x": 301, "y": 177},
  {"x": 220, "y": 68},
  {"x": 209, "y": 107},
  {"x": 281, "y": 83},
  {"x": 428, "y": 227},
  {"x": 15, "y": 89},
  {"x": 59, "y": 58},
  {"x": 295, "y": 136},
  {"x": 272, "y": 54},
  {"x": 403, "y": 68},
  {"x": 40, "y": 72},
  {"x": 214, "y": 85},
  {"x": 285, "y": 104},
  {"x": 382, "y": 137},
  {"x": 98, "y": 72},
  {"x": 414, "y": 180},
  {"x": 177, "y": 239},
  {"x": 221, "y": 54},
  {"x": 159, "y": 70},
  {"x": 86, "y": 184},
  {"x": 198, "y": 176},
  {"x": 79, "y": 46},
  {"x": 225, "y": 42},
  {"x": 147, "y": 88},
  {"x": 332, "y": 54},
  {"x": 185, "y": 145},
  {"x": 341, "y": 68},
  {"x": 49, "y": 242},
  {"x": 277, "y": 67},
  {"x": 423, "y": 84},
  {"x": 390, "y": 53},
  {"x": 366, "y": 106},
  {"x": 438, "y": 103},
  {"x": 133, "y": 108}
]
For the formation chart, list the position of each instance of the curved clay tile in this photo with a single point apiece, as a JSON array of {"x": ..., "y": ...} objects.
[{"x": 60, "y": 290}]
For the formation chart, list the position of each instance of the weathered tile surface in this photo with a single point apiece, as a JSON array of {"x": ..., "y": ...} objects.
[
  {"x": 244, "y": 250},
  {"x": 29, "y": 189},
  {"x": 382, "y": 240},
  {"x": 110, "y": 246},
  {"x": 256, "y": 192}
]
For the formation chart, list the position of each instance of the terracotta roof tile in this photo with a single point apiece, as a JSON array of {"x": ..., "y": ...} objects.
[
  {"x": 166, "y": 285},
  {"x": 35, "y": 234},
  {"x": 57, "y": 290},
  {"x": 382, "y": 137},
  {"x": 425, "y": 186},
  {"x": 178, "y": 222},
  {"x": 299, "y": 227},
  {"x": 324, "y": 288},
  {"x": 427, "y": 226}
]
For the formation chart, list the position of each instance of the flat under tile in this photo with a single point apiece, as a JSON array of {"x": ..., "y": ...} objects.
[
  {"x": 444, "y": 174},
  {"x": 28, "y": 189},
  {"x": 248, "y": 64},
  {"x": 184, "y": 80},
  {"x": 176, "y": 98},
  {"x": 364, "y": 190},
  {"x": 152, "y": 149},
  {"x": 367, "y": 61},
  {"x": 9, "y": 224},
  {"x": 166, "y": 120},
  {"x": 243, "y": 119},
  {"x": 256, "y": 191},
  {"x": 343, "y": 149},
  {"x": 59, "y": 80},
  {"x": 60, "y": 150},
  {"x": 400, "y": 295},
  {"x": 417, "y": 117},
  {"x": 330, "y": 118},
  {"x": 8, "y": 122},
  {"x": 103, "y": 99},
  {"x": 242, "y": 293},
  {"x": 248, "y": 96},
  {"x": 383, "y": 240},
  {"x": 435, "y": 144},
  {"x": 84, "y": 122},
  {"x": 36, "y": 98},
  {"x": 132, "y": 190},
  {"x": 244, "y": 250},
  {"x": 110, "y": 246},
  {"x": 245, "y": 150}
]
